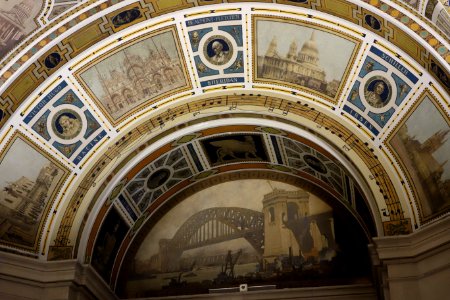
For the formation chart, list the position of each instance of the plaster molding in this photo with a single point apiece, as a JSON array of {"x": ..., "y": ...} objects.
[{"x": 422, "y": 242}]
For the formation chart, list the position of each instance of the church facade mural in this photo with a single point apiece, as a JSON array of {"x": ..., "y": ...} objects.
[
  {"x": 17, "y": 20},
  {"x": 28, "y": 184},
  {"x": 247, "y": 231},
  {"x": 298, "y": 54},
  {"x": 137, "y": 75},
  {"x": 421, "y": 144}
]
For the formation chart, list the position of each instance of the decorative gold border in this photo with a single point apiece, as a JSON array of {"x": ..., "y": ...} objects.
[
  {"x": 426, "y": 93},
  {"x": 148, "y": 102},
  {"x": 18, "y": 135},
  {"x": 303, "y": 23}
]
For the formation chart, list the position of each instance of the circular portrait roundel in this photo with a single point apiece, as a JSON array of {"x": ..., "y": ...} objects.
[
  {"x": 67, "y": 124},
  {"x": 377, "y": 91},
  {"x": 218, "y": 50}
]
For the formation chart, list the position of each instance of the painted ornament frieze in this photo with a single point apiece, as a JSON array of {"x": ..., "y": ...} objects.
[
  {"x": 65, "y": 122},
  {"x": 306, "y": 159},
  {"x": 299, "y": 55},
  {"x": 382, "y": 86},
  {"x": 217, "y": 46},
  {"x": 156, "y": 179}
]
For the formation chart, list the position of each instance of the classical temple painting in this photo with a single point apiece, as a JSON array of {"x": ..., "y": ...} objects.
[
  {"x": 257, "y": 232},
  {"x": 422, "y": 146},
  {"x": 28, "y": 182},
  {"x": 136, "y": 75},
  {"x": 17, "y": 20},
  {"x": 300, "y": 55}
]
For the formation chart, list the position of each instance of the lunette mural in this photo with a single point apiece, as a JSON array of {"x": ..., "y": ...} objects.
[{"x": 253, "y": 231}]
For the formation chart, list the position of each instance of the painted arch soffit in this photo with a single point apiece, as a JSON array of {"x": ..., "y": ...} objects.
[
  {"x": 192, "y": 161},
  {"x": 200, "y": 155},
  {"x": 74, "y": 123}
]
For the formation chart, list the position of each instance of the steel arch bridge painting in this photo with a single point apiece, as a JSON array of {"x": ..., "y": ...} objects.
[{"x": 252, "y": 231}]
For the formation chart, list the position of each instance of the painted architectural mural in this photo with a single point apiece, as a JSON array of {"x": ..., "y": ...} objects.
[
  {"x": 247, "y": 231},
  {"x": 28, "y": 182},
  {"x": 16, "y": 21},
  {"x": 298, "y": 54},
  {"x": 422, "y": 145},
  {"x": 130, "y": 77}
]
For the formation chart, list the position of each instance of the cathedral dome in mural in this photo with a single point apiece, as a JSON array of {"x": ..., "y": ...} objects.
[{"x": 224, "y": 149}]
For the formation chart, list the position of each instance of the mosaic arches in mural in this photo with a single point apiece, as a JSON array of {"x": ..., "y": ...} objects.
[
  {"x": 253, "y": 231},
  {"x": 64, "y": 121},
  {"x": 110, "y": 236},
  {"x": 422, "y": 146},
  {"x": 137, "y": 75},
  {"x": 298, "y": 54},
  {"x": 381, "y": 87},
  {"x": 17, "y": 20},
  {"x": 218, "y": 50},
  {"x": 29, "y": 182}
]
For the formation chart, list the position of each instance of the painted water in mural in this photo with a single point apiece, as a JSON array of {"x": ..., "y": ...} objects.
[
  {"x": 302, "y": 56},
  {"x": 142, "y": 71},
  {"x": 422, "y": 144},
  {"x": 248, "y": 231},
  {"x": 16, "y": 21},
  {"x": 27, "y": 182}
]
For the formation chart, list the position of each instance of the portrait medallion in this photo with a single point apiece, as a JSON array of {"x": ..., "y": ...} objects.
[
  {"x": 377, "y": 91},
  {"x": 66, "y": 124},
  {"x": 218, "y": 50}
]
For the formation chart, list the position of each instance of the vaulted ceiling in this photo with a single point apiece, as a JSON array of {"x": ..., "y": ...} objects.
[{"x": 99, "y": 99}]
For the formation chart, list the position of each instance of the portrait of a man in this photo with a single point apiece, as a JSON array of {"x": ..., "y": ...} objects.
[
  {"x": 377, "y": 92},
  {"x": 218, "y": 51},
  {"x": 67, "y": 125}
]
